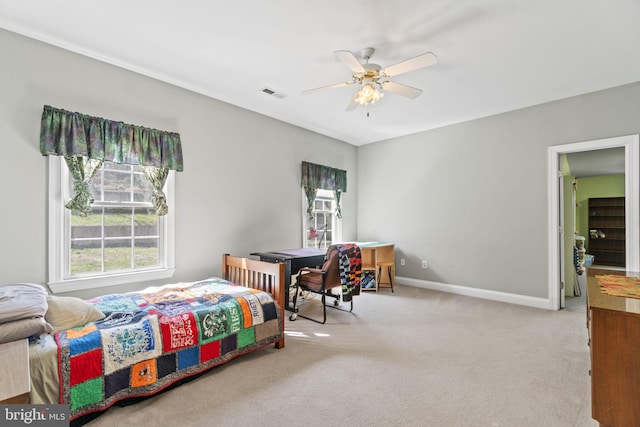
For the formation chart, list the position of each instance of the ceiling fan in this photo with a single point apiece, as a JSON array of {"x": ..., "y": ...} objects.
[{"x": 374, "y": 80}]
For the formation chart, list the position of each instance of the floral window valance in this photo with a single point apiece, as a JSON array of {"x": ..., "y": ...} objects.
[
  {"x": 316, "y": 177},
  {"x": 86, "y": 141}
]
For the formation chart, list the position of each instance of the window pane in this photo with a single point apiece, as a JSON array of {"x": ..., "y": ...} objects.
[
  {"x": 110, "y": 166},
  {"x": 96, "y": 186},
  {"x": 142, "y": 191},
  {"x": 86, "y": 226},
  {"x": 321, "y": 223},
  {"x": 146, "y": 222},
  {"x": 146, "y": 253},
  {"x": 117, "y": 222},
  {"x": 117, "y": 182},
  {"x": 117, "y": 254},
  {"x": 122, "y": 184},
  {"x": 85, "y": 256}
]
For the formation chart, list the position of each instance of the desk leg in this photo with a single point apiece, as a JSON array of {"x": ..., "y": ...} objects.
[{"x": 389, "y": 273}]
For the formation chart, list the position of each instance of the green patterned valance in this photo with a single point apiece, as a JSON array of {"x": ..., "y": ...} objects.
[
  {"x": 63, "y": 133},
  {"x": 323, "y": 177},
  {"x": 316, "y": 177}
]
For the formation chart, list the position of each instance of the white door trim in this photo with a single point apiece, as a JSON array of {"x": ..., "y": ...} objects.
[
  {"x": 561, "y": 240},
  {"x": 632, "y": 207}
]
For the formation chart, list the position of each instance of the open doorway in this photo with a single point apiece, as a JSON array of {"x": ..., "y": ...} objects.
[
  {"x": 598, "y": 184},
  {"x": 556, "y": 234}
]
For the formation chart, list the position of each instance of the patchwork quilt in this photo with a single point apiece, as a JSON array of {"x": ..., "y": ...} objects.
[{"x": 153, "y": 338}]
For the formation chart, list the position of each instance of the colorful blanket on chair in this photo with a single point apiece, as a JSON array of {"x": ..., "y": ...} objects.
[
  {"x": 350, "y": 260},
  {"x": 153, "y": 338}
]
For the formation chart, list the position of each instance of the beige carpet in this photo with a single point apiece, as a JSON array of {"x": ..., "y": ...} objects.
[{"x": 412, "y": 358}]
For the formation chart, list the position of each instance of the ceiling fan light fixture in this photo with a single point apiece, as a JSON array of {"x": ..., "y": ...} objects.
[
  {"x": 373, "y": 79},
  {"x": 368, "y": 94}
]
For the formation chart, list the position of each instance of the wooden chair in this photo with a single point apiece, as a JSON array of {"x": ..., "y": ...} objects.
[{"x": 320, "y": 281}]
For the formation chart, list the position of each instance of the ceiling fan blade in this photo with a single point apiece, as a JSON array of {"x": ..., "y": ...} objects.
[
  {"x": 350, "y": 60},
  {"x": 400, "y": 89},
  {"x": 419, "y": 61},
  {"x": 352, "y": 104},
  {"x": 333, "y": 86}
]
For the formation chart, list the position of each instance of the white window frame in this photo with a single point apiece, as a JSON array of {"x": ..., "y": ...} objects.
[
  {"x": 59, "y": 235},
  {"x": 336, "y": 222}
]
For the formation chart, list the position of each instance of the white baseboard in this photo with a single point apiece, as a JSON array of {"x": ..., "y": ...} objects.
[{"x": 477, "y": 293}]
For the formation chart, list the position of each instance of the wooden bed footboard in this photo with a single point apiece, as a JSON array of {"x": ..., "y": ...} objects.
[{"x": 266, "y": 276}]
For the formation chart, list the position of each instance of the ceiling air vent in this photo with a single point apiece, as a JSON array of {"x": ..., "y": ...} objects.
[{"x": 272, "y": 92}]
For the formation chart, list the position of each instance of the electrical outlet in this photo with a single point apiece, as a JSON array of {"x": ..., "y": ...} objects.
[
  {"x": 424, "y": 264},
  {"x": 402, "y": 262}
]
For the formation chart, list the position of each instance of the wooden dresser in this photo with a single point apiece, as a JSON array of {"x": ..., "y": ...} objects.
[{"x": 614, "y": 336}]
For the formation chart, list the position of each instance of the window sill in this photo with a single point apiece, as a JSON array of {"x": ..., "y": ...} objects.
[{"x": 79, "y": 284}]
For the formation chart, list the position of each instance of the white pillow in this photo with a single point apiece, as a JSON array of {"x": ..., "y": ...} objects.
[
  {"x": 22, "y": 301},
  {"x": 23, "y": 328},
  {"x": 70, "y": 312}
]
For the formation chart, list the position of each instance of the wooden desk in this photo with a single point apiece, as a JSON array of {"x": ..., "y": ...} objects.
[
  {"x": 380, "y": 258},
  {"x": 14, "y": 372},
  {"x": 294, "y": 260},
  {"x": 614, "y": 336}
]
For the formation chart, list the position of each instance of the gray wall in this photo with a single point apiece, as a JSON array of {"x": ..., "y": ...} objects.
[
  {"x": 239, "y": 192},
  {"x": 471, "y": 198}
]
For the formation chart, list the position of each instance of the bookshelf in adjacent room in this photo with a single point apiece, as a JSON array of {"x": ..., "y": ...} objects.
[{"x": 607, "y": 231}]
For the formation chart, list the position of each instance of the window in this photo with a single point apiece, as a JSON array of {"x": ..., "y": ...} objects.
[
  {"x": 325, "y": 228},
  {"x": 122, "y": 240}
]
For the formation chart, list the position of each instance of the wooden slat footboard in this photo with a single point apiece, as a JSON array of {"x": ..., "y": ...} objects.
[{"x": 266, "y": 276}]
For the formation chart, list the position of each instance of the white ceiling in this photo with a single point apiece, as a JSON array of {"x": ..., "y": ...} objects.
[
  {"x": 494, "y": 55},
  {"x": 609, "y": 161}
]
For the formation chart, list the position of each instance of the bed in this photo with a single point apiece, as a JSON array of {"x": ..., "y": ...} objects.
[{"x": 140, "y": 343}]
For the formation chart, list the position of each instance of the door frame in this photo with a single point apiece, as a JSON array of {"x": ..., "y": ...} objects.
[{"x": 631, "y": 144}]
